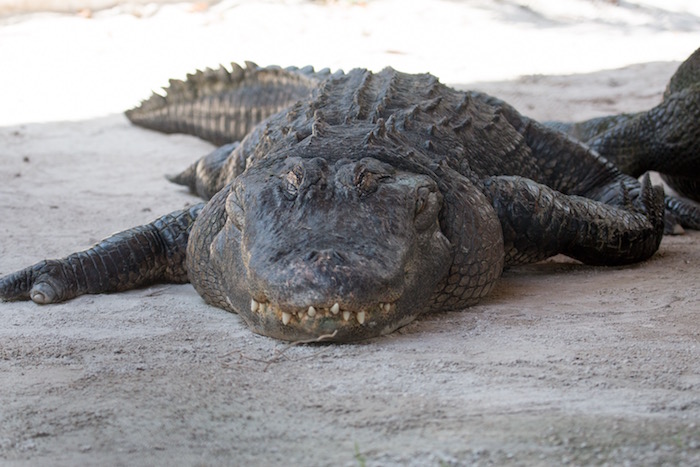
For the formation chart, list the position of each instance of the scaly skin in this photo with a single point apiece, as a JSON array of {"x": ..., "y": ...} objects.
[
  {"x": 223, "y": 106},
  {"x": 368, "y": 199},
  {"x": 139, "y": 256},
  {"x": 665, "y": 139}
]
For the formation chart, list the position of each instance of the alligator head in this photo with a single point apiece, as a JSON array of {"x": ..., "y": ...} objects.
[{"x": 316, "y": 246}]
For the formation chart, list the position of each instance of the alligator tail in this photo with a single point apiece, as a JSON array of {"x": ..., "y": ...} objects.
[{"x": 222, "y": 105}]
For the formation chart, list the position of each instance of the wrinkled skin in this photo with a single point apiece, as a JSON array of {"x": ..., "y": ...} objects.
[
  {"x": 665, "y": 139},
  {"x": 319, "y": 266},
  {"x": 346, "y": 205},
  {"x": 301, "y": 234}
]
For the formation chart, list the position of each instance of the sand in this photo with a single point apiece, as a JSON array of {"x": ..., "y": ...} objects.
[{"x": 562, "y": 364}]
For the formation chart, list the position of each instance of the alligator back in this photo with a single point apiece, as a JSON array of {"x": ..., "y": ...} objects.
[{"x": 475, "y": 134}]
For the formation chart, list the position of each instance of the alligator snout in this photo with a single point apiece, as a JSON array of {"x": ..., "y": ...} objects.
[
  {"x": 332, "y": 248},
  {"x": 322, "y": 277},
  {"x": 325, "y": 256}
]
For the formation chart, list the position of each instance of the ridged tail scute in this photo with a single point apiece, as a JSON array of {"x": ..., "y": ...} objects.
[{"x": 223, "y": 105}]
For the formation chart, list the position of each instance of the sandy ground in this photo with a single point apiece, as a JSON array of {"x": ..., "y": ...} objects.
[{"x": 562, "y": 364}]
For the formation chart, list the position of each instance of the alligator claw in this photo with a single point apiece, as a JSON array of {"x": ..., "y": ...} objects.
[
  {"x": 651, "y": 201},
  {"x": 37, "y": 283},
  {"x": 42, "y": 293},
  {"x": 672, "y": 225}
]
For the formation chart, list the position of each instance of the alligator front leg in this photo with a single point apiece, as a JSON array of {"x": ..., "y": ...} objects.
[
  {"x": 539, "y": 222},
  {"x": 142, "y": 255},
  {"x": 665, "y": 139}
]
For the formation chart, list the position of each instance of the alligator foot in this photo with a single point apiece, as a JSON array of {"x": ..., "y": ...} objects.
[
  {"x": 539, "y": 222},
  {"x": 145, "y": 254},
  {"x": 681, "y": 213},
  {"x": 665, "y": 139}
]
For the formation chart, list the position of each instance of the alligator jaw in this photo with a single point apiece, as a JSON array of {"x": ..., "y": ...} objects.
[
  {"x": 317, "y": 312},
  {"x": 331, "y": 322}
]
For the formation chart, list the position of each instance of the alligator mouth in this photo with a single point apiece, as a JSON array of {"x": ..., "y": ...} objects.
[{"x": 318, "y": 312}]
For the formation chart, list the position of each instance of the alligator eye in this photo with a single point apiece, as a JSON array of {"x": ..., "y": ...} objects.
[
  {"x": 428, "y": 203},
  {"x": 365, "y": 181},
  {"x": 292, "y": 182}
]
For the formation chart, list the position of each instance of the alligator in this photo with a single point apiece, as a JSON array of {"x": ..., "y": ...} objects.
[{"x": 340, "y": 206}]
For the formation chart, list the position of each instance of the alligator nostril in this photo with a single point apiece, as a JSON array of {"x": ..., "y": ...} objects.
[
  {"x": 325, "y": 256},
  {"x": 311, "y": 256},
  {"x": 338, "y": 256}
]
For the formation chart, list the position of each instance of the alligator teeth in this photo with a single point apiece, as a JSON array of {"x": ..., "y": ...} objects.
[{"x": 312, "y": 311}]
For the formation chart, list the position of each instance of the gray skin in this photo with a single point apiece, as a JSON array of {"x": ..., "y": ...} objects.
[
  {"x": 342, "y": 206},
  {"x": 665, "y": 139}
]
